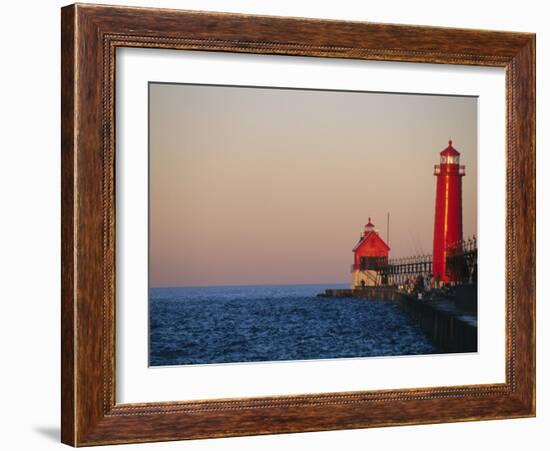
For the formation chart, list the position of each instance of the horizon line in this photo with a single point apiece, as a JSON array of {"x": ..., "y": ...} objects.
[{"x": 250, "y": 285}]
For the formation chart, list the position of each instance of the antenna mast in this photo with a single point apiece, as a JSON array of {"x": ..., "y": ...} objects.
[{"x": 388, "y": 229}]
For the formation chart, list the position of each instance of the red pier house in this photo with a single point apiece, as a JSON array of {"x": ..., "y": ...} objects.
[
  {"x": 448, "y": 210},
  {"x": 370, "y": 255}
]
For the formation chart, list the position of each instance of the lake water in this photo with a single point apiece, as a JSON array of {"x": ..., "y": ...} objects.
[{"x": 272, "y": 323}]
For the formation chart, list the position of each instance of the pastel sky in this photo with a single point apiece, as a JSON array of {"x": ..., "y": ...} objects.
[{"x": 273, "y": 186}]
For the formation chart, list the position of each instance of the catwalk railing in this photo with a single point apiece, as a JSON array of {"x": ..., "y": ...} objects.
[
  {"x": 462, "y": 261},
  {"x": 461, "y": 266}
]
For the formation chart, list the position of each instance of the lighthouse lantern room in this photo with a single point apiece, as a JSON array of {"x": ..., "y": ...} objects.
[{"x": 370, "y": 256}]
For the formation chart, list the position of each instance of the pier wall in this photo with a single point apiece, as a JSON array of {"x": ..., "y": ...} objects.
[
  {"x": 450, "y": 324},
  {"x": 451, "y": 329},
  {"x": 373, "y": 293}
]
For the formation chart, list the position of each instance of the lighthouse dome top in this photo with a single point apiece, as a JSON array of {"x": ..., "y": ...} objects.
[
  {"x": 369, "y": 225},
  {"x": 450, "y": 151}
]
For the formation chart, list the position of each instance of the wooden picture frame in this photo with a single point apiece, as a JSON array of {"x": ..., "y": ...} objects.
[{"x": 90, "y": 36}]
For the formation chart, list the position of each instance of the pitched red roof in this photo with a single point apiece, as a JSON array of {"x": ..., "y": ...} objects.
[{"x": 370, "y": 236}]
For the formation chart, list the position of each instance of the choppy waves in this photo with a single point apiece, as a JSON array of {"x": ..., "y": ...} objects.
[{"x": 274, "y": 323}]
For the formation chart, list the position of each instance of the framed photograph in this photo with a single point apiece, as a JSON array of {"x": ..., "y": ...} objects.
[{"x": 279, "y": 225}]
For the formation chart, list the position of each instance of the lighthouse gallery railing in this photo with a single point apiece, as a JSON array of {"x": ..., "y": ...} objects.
[{"x": 461, "y": 169}]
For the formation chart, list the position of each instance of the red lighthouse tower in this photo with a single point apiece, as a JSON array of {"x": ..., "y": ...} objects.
[{"x": 448, "y": 210}]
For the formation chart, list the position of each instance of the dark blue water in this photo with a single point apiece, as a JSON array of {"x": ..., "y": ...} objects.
[{"x": 266, "y": 323}]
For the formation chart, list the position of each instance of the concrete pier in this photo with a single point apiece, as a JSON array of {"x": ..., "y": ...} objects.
[
  {"x": 373, "y": 293},
  {"x": 451, "y": 323},
  {"x": 450, "y": 328}
]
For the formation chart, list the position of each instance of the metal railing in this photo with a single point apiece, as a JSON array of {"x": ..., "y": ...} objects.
[
  {"x": 402, "y": 271},
  {"x": 370, "y": 264},
  {"x": 462, "y": 261}
]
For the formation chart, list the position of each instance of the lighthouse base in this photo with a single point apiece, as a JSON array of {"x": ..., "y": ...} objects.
[{"x": 365, "y": 278}]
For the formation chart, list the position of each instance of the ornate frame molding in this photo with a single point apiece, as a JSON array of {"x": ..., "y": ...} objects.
[{"x": 90, "y": 37}]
